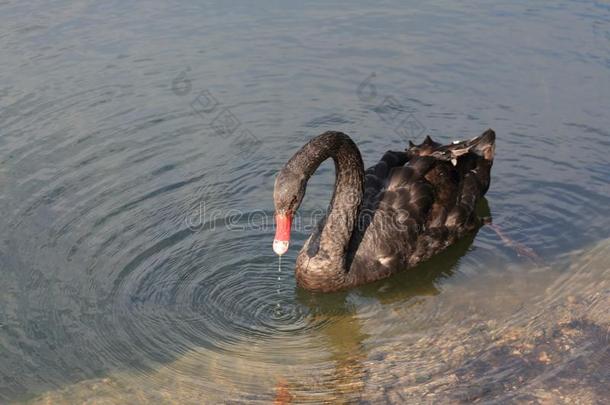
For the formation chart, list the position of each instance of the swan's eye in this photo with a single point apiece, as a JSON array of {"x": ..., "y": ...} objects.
[{"x": 292, "y": 203}]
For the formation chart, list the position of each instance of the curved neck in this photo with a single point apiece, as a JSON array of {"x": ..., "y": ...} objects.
[{"x": 332, "y": 239}]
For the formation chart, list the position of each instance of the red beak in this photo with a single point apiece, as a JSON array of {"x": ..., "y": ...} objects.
[{"x": 282, "y": 233}]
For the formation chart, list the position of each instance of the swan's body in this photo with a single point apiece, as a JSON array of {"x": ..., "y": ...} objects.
[{"x": 399, "y": 212}]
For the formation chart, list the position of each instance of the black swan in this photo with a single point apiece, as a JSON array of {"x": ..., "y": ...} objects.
[{"x": 397, "y": 213}]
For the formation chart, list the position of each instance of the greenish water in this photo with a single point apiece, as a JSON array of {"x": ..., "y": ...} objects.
[{"x": 138, "y": 148}]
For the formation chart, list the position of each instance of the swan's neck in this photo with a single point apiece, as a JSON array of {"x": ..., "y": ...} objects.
[
  {"x": 345, "y": 203},
  {"x": 328, "y": 244}
]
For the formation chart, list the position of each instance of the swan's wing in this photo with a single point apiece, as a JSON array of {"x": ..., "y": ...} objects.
[
  {"x": 416, "y": 208},
  {"x": 376, "y": 176},
  {"x": 437, "y": 185}
]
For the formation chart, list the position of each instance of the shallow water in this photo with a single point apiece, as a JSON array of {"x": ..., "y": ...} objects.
[{"x": 138, "y": 148}]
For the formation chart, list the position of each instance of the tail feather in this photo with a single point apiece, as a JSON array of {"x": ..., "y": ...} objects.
[{"x": 482, "y": 145}]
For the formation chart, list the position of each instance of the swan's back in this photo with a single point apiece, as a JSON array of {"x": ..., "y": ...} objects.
[{"x": 418, "y": 202}]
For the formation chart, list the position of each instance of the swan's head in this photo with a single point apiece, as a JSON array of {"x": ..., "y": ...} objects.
[{"x": 287, "y": 196}]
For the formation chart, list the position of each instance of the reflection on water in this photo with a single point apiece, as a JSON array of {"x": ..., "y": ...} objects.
[
  {"x": 504, "y": 335},
  {"x": 119, "y": 123}
]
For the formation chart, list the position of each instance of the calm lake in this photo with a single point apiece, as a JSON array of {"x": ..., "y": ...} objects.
[{"x": 139, "y": 142}]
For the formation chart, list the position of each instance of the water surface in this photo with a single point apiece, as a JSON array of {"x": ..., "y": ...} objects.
[{"x": 138, "y": 148}]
